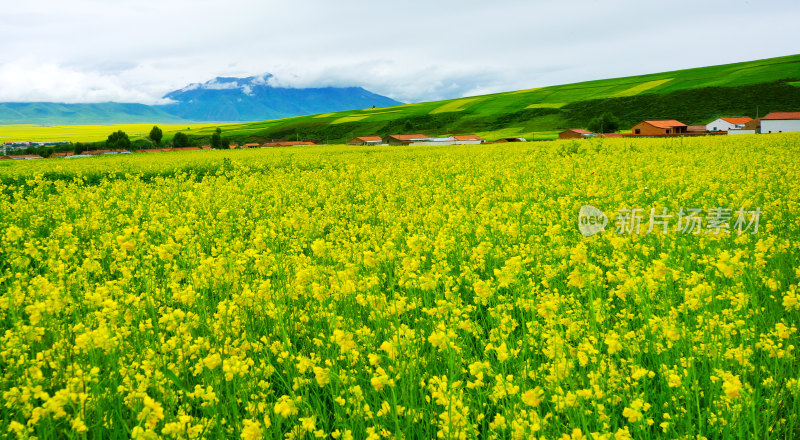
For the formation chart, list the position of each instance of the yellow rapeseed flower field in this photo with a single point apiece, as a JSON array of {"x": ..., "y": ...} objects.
[
  {"x": 88, "y": 133},
  {"x": 405, "y": 293}
]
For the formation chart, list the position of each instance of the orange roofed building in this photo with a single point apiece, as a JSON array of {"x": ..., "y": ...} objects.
[
  {"x": 365, "y": 140},
  {"x": 725, "y": 124},
  {"x": 780, "y": 122},
  {"x": 575, "y": 133},
  {"x": 404, "y": 139},
  {"x": 468, "y": 139},
  {"x": 660, "y": 127}
]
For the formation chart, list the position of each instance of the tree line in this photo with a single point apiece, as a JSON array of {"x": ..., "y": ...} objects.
[{"x": 119, "y": 140}]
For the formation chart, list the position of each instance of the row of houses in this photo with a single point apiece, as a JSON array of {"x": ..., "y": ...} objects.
[
  {"x": 417, "y": 139},
  {"x": 90, "y": 153},
  {"x": 775, "y": 122},
  {"x": 63, "y": 155},
  {"x": 271, "y": 144},
  {"x": 21, "y": 145}
]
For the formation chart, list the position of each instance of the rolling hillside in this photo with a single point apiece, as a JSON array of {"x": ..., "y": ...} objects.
[{"x": 693, "y": 96}]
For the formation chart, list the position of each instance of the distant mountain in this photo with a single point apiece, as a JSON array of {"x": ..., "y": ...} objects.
[
  {"x": 254, "y": 99},
  {"x": 52, "y": 113},
  {"x": 221, "y": 99}
]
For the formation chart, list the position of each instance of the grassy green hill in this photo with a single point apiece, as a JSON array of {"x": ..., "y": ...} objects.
[{"x": 693, "y": 96}]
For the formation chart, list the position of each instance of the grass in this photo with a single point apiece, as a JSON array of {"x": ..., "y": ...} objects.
[
  {"x": 639, "y": 88},
  {"x": 455, "y": 106}
]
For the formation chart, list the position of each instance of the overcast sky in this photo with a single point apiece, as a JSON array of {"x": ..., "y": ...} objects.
[{"x": 138, "y": 50}]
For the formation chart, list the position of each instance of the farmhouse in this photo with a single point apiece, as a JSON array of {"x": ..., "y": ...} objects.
[
  {"x": 286, "y": 144},
  {"x": 365, "y": 140},
  {"x": 22, "y": 156},
  {"x": 659, "y": 127},
  {"x": 103, "y": 151},
  {"x": 404, "y": 139},
  {"x": 696, "y": 129},
  {"x": 450, "y": 140},
  {"x": 780, "y": 122},
  {"x": 501, "y": 140},
  {"x": 421, "y": 139},
  {"x": 751, "y": 127},
  {"x": 725, "y": 124},
  {"x": 575, "y": 133},
  {"x": 60, "y": 155},
  {"x": 468, "y": 139}
]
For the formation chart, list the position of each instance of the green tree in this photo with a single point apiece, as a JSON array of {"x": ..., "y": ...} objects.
[
  {"x": 118, "y": 141},
  {"x": 225, "y": 144},
  {"x": 180, "y": 140},
  {"x": 216, "y": 139},
  {"x": 605, "y": 123},
  {"x": 156, "y": 135}
]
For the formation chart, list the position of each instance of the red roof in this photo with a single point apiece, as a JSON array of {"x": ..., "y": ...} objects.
[
  {"x": 778, "y": 116},
  {"x": 580, "y": 131},
  {"x": 666, "y": 123},
  {"x": 407, "y": 137},
  {"x": 368, "y": 138},
  {"x": 738, "y": 121},
  {"x": 154, "y": 150},
  {"x": 61, "y": 154},
  {"x": 286, "y": 144},
  {"x": 467, "y": 137}
]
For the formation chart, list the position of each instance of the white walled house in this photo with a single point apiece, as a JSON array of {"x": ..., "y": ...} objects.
[
  {"x": 734, "y": 131},
  {"x": 752, "y": 127},
  {"x": 780, "y": 122},
  {"x": 465, "y": 139},
  {"x": 421, "y": 139},
  {"x": 468, "y": 139},
  {"x": 725, "y": 124}
]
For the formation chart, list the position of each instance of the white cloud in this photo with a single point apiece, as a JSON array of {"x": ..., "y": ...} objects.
[
  {"x": 216, "y": 85},
  {"x": 139, "y": 50},
  {"x": 29, "y": 79}
]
